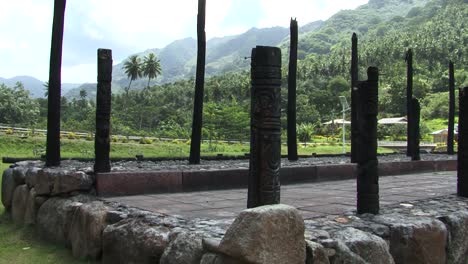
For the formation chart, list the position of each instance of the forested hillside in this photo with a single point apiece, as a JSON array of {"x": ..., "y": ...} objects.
[{"x": 435, "y": 30}]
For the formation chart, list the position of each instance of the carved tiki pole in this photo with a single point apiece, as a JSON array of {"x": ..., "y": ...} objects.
[
  {"x": 367, "y": 178},
  {"x": 53, "y": 101},
  {"x": 462, "y": 160},
  {"x": 451, "y": 117},
  {"x": 195, "y": 143},
  {"x": 409, "y": 95},
  {"x": 354, "y": 83},
  {"x": 265, "y": 148},
  {"x": 292, "y": 135},
  {"x": 416, "y": 113},
  {"x": 103, "y": 111}
]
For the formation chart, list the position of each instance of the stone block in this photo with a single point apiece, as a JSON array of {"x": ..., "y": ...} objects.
[
  {"x": 186, "y": 248},
  {"x": 316, "y": 253},
  {"x": 88, "y": 223},
  {"x": 18, "y": 205},
  {"x": 55, "y": 217},
  {"x": 134, "y": 240},
  {"x": 369, "y": 247},
  {"x": 32, "y": 206},
  {"x": 457, "y": 244},
  {"x": 8, "y": 188},
  {"x": 415, "y": 239},
  {"x": 266, "y": 234},
  {"x": 128, "y": 183}
]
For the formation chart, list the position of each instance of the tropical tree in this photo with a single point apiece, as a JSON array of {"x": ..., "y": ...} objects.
[
  {"x": 151, "y": 67},
  {"x": 133, "y": 69}
]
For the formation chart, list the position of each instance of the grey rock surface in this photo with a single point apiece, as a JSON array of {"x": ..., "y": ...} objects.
[
  {"x": 32, "y": 206},
  {"x": 8, "y": 188},
  {"x": 217, "y": 258},
  {"x": 18, "y": 205},
  {"x": 55, "y": 217},
  {"x": 186, "y": 248},
  {"x": 341, "y": 253},
  {"x": 56, "y": 181},
  {"x": 415, "y": 239},
  {"x": 88, "y": 223},
  {"x": 457, "y": 227},
  {"x": 19, "y": 174},
  {"x": 31, "y": 176},
  {"x": 134, "y": 240},
  {"x": 369, "y": 247},
  {"x": 316, "y": 253},
  {"x": 266, "y": 234}
]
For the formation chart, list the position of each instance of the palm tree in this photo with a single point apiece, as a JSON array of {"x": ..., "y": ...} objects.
[
  {"x": 132, "y": 68},
  {"x": 151, "y": 67}
]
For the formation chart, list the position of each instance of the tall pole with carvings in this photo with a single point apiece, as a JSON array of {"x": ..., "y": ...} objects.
[
  {"x": 265, "y": 146},
  {"x": 367, "y": 178},
  {"x": 292, "y": 132},
  {"x": 197, "y": 121},
  {"x": 409, "y": 95},
  {"x": 416, "y": 114},
  {"x": 53, "y": 101},
  {"x": 451, "y": 117},
  {"x": 103, "y": 111},
  {"x": 462, "y": 160},
  {"x": 354, "y": 82}
]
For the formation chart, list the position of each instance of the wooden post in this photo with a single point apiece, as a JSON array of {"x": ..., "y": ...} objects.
[
  {"x": 292, "y": 132},
  {"x": 462, "y": 160},
  {"x": 409, "y": 95},
  {"x": 53, "y": 101},
  {"x": 103, "y": 111},
  {"x": 451, "y": 117},
  {"x": 354, "y": 83},
  {"x": 265, "y": 148},
  {"x": 416, "y": 113},
  {"x": 195, "y": 143},
  {"x": 368, "y": 178}
]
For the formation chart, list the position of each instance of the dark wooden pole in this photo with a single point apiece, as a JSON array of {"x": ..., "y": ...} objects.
[
  {"x": 451, "y": 117},
  {"x": 53, "y": 99},
  {"x": 409, "y": 95},
  {"x": 354, "y": 83},
  {"x": 462, "y": 160},
  {"x": 292, "y": 132},
  {"x": 367, "y": 173},
  {"x": 103, "y": 111},
  {"x": 265, "y": 148},
  {"x": 197, "y": 121},
  {"x": 416, "y": 113}
]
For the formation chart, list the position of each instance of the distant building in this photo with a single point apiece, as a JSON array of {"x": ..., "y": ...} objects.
[{"x": 440, "y": 136}]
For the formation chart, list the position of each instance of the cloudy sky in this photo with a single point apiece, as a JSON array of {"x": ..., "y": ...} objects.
[{"x": 133, "y": 26}]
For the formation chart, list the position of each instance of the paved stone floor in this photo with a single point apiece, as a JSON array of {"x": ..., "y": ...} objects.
[{"x": 312, "y": 199}]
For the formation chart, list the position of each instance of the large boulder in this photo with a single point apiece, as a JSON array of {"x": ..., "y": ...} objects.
[
  {"x": 54, "y": 181},
  {"x": 85, "y": 235},
  {"x": 186, "y": 248},
  {"x": 266, "y": 234},
  {"x": 55, "y": 217},
  {"x": 415, "y": 239},
  {"x": 457, "y": 226},
  {"x": 369, "y": 247},
  {"x": 8, "y": 188},
  {"x": 18, "y": 205},
  {"x": 134, "y": 240}
]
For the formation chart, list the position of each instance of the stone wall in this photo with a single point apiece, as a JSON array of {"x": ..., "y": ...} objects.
[{"x": 61, "y": 204}]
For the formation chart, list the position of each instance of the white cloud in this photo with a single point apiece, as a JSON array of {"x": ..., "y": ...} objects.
[
  {"x": 279, "y": 12},
  {"x": 128, "y": 27}
]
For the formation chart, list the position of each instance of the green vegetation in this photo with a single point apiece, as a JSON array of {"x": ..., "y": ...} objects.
[{"x": 435, "y": 30}]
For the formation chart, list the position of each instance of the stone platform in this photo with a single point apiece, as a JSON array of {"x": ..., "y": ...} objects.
[{"x": 313, "y": 200}]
